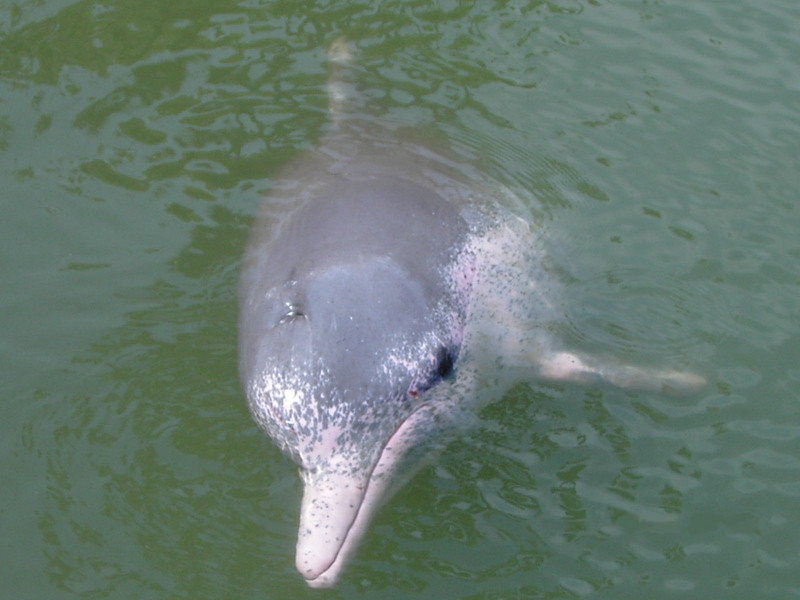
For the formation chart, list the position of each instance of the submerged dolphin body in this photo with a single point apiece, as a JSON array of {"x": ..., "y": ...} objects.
[{"x": 381, "y": 285}]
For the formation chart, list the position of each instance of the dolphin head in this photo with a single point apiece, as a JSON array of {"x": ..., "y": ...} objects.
[{"x": 345, "y": 347}]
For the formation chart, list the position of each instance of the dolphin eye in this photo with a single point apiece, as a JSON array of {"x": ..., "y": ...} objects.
[
  {"x": 444, "y": 361},
  {"x": 442, "y": 369}
]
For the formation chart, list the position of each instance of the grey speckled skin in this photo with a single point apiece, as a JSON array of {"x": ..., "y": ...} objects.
[{"x": 382, "y": 283}]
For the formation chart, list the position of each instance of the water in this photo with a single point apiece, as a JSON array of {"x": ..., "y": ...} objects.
[{"x": 657, "y": 144}]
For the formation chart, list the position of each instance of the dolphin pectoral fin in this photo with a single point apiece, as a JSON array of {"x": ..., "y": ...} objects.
[{"x": 565, "y": 366}]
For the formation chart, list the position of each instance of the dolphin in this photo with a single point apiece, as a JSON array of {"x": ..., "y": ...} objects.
[{"x": 386, "y": 292}]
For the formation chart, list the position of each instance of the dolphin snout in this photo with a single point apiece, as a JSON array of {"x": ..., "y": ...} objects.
[
  {"x": 331, "y": 502},
  {"x": 340, "y": 499}
]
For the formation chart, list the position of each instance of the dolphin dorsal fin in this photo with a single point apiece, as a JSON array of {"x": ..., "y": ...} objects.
[
  {"x": 344, "y": 97},
  {"x": 340, "y": 85}
]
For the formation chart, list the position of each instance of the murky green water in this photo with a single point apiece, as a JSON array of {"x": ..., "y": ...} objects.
[{"x": 657, "y": 141}]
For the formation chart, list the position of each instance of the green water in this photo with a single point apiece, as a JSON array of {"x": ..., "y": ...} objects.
[{"x": 657, "y": 142}]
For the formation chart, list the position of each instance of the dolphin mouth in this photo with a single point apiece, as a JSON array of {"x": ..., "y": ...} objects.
[{"x": 338, "y": 506}]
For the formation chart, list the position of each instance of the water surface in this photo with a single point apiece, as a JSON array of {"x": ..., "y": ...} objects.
[{"x": 655, "y": 142}]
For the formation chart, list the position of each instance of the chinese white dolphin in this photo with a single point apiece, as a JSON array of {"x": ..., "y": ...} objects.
[{"x": 385, "y": 292}]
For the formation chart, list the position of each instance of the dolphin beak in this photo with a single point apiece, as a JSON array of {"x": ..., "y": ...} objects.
[
  {"x": 334, "y": 514},
  {"x": 339, "y": 502}
]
